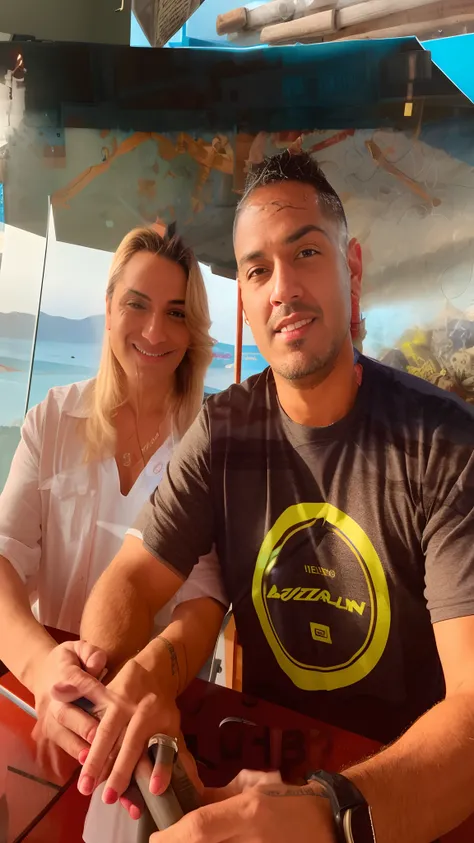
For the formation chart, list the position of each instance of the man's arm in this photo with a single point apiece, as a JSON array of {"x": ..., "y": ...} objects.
[
  {"x": 188, "y": 642},
  {"x": 421, "y": 787},
  {"x": 124, "y": 601},
  {"x": 121, "y": 610}
]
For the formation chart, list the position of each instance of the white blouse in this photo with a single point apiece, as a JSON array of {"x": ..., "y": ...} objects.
[{"x": 62, "y": 520}]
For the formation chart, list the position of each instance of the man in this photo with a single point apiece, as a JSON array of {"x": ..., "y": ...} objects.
[{"x": 339, "y": 494}]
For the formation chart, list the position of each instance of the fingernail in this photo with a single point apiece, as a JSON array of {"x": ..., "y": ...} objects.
[
  {"x": 91, "y": 735},
  {"x": 156, "y": 785},
  {"x": 110, "y": 796},
  {"x": 63, "y": 688},
  {"x": 83, "y": 756},
  {"x": 134, "y": 812},
  {"x": 85, "y": 785}
]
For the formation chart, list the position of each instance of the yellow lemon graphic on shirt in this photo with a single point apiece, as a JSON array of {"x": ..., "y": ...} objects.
[{"x": 321, "y": 596}]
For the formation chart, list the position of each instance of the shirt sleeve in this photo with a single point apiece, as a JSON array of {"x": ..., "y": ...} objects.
[
  {"x": 448, "y": 539},
  {"x": 20, "y": 504},
  {"x": 204, "y": 581},
  {"x": 177, "y": 523}
]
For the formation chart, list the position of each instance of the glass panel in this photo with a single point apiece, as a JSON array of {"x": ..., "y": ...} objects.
[
  {"x": 222, "y": 295},
  {"x": 71, "y": 318},
  {"x": 22, "y": 253}
]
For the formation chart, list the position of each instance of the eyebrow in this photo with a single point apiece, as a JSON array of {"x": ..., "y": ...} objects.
[
  {"x": 292, "y": 238},
  {"x": 303, "y": 231},
  {"x": 147, "y": 298},
  {"x": 138, "y": 293}
]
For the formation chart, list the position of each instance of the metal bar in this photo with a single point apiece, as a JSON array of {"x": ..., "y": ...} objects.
[
  {"x": 238, "y": 338},
  {"x": 38, "y": 312},
  {"x": 4, "y": 692}
]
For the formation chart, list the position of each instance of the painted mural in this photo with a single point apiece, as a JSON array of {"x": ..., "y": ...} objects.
[{"x": 71, "y": 193}]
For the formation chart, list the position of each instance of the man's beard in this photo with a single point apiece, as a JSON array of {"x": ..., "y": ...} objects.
[{"x": 317, "y": 366}]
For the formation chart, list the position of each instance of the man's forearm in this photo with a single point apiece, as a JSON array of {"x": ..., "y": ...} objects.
[
  {"x": 420, "y": 787},
  {"x": 117, "y": 620},
  {"x": 177, "y": 655},
  {"x": 119, "y": 615},
  {"x": 24, "y": 643}
]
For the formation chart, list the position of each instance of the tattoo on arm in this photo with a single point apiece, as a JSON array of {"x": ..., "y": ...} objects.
[
  {"x": 172, "y": 655},
  {"x": 306, "y": 790}
]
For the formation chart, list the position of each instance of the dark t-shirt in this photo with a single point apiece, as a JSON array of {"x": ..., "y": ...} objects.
[{"x": 339, "y": 546}]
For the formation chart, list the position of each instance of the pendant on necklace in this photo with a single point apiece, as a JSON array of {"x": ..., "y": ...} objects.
[{"x": 151, "y": 442}]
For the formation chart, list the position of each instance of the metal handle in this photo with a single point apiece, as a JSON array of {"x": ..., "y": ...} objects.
[{"x": 165, "y": 810}]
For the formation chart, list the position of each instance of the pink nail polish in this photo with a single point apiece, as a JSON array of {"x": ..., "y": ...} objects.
[
  {"x": 134, "y": 812},
  {"x": 86, "y": 785},
  {"x": 82, "y": 757},
  {"x": 110, "y": 796},
  {"x": 156, "y": 786}
]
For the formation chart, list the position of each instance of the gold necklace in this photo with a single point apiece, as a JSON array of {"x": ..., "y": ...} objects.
[
  {"x": 150, "y": 442},
  {"x": 127, "y": 457}
]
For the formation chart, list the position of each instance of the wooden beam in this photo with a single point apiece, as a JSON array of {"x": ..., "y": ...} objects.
[
  {"x": 373, "y": 9},
  {"x": 371, "y": 14},
  {"x": 465, "y": 22},
  {"x": 276, "y": 11},
  {"x": 314, "y": 26},
  {"x": 426, "y": 15},
  {"x": 234, "y": 21}
]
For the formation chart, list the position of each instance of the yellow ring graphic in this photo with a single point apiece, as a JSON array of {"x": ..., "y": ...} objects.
[{"x": 311, "y": 678}]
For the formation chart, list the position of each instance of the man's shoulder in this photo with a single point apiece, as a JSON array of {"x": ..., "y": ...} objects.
[
  {"x": 241, "y": 398},
  {"x": 398, "y": 393}
]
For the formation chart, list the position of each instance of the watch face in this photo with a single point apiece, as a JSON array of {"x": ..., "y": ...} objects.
[{"x": 357, "y": 824}]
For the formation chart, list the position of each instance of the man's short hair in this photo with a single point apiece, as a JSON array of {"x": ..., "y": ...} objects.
[{"x": 299, "y": 167}]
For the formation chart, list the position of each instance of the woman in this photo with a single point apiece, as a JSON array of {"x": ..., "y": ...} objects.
[{"x": 91, "y": 453}]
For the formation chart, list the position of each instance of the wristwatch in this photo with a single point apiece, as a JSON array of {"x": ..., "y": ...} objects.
[{"x": 352, "y": 814}]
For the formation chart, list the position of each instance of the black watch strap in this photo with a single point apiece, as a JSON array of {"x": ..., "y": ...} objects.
[{"x": 352, "y": 817}]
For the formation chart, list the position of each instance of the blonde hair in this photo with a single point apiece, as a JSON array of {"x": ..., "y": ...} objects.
[{"x": 109, "y": 389}]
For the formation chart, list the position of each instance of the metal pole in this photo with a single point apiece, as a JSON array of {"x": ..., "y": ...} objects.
[
  {"x": 4, "y": 692},
  {"x": 35, "y": 332},
  {"x": 238, "y": 338}
]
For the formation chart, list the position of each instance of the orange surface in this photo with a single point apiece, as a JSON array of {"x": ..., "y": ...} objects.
[
  {"x": 225, "y": 730},
  {"x": 64, "y": 822},
  {"x": 26, "y": 788}
]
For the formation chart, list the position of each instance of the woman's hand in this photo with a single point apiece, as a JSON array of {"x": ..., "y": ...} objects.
[
  {"x": 131, "y": 709},
  {"x": 64, "y": 730}
]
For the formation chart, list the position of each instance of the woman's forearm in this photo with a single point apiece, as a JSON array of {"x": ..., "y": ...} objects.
[
  {"x": 177, "y": 655},
  {"x": 24, "y": 643}
]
